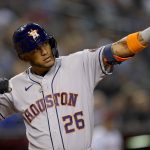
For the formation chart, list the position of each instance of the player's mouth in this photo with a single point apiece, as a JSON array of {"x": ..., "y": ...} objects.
[{"x": 47, "y": 59}]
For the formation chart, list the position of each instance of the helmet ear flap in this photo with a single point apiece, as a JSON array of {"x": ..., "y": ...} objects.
[
  {"x": 53, "y": 45},
  {"x": 22, "y": 56}
]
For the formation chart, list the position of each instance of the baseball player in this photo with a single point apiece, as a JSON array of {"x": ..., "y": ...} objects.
[{"x": 54, "y": 95}]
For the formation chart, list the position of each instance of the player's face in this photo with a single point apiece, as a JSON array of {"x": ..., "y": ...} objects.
[{"x": 41, "y": 57}]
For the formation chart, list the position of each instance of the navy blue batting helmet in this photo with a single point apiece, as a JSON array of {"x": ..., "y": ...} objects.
[{"x": 29, "y": 36}]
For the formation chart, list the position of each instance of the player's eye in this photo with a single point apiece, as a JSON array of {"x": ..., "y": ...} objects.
[{"x": 45, "y": 43}]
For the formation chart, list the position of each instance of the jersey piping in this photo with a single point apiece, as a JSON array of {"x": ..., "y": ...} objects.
[
  {"x": 56, "y": 108},
  {"x": 45, "y": 109}
]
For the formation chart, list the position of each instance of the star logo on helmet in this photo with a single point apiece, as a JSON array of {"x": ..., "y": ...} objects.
[{"x": 33, "y": 33}]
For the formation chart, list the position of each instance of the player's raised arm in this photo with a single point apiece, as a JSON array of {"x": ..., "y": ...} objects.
[{"x": 127, "y": 47}]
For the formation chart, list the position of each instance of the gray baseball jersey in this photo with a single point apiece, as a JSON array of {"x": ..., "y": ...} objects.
[{"x": 57, "y": 108}]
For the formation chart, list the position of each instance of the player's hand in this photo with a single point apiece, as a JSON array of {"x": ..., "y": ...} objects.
[{"x": 4, "y": 86}]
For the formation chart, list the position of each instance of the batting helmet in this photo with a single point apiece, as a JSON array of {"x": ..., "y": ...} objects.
[{"x": 29, "y": 36}]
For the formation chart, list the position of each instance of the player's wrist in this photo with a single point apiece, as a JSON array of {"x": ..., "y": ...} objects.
[{"x": 135, "y": 42}]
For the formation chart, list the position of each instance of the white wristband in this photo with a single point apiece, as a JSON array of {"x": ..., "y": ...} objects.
[{"x": 146, "y": 35}]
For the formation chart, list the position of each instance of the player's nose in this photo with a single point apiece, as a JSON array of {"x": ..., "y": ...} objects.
[{"x": 44, "y": 51}]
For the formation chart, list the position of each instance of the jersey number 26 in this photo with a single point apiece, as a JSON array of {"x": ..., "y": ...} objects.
[{"x": 73, "y": 122}]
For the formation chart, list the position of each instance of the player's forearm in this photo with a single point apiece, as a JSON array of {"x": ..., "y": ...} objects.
[
  {"x": 126, "y": 47},
  {"x": 123, "y": 48},
  {"x": 120, "y": 48}
]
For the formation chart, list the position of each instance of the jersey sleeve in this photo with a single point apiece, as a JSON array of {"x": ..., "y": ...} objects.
[
  {"x": 93, "y": 65},
  {"x": 6, "y": 106}
]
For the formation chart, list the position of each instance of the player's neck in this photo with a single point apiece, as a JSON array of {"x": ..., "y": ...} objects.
[{"x": 39, "y": 71}]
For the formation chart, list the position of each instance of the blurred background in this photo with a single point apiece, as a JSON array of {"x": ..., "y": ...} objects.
[{"x": 122, "y": 100}]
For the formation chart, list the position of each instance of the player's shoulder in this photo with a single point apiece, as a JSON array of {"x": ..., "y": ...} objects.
[
  {"x": 84, "y": 52},
  {"x": 73, "y": 58},
  {"x": 20, "y": 76},
  {"x": 74, "y": 55},
  {"x": 79, "y": 57}
]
